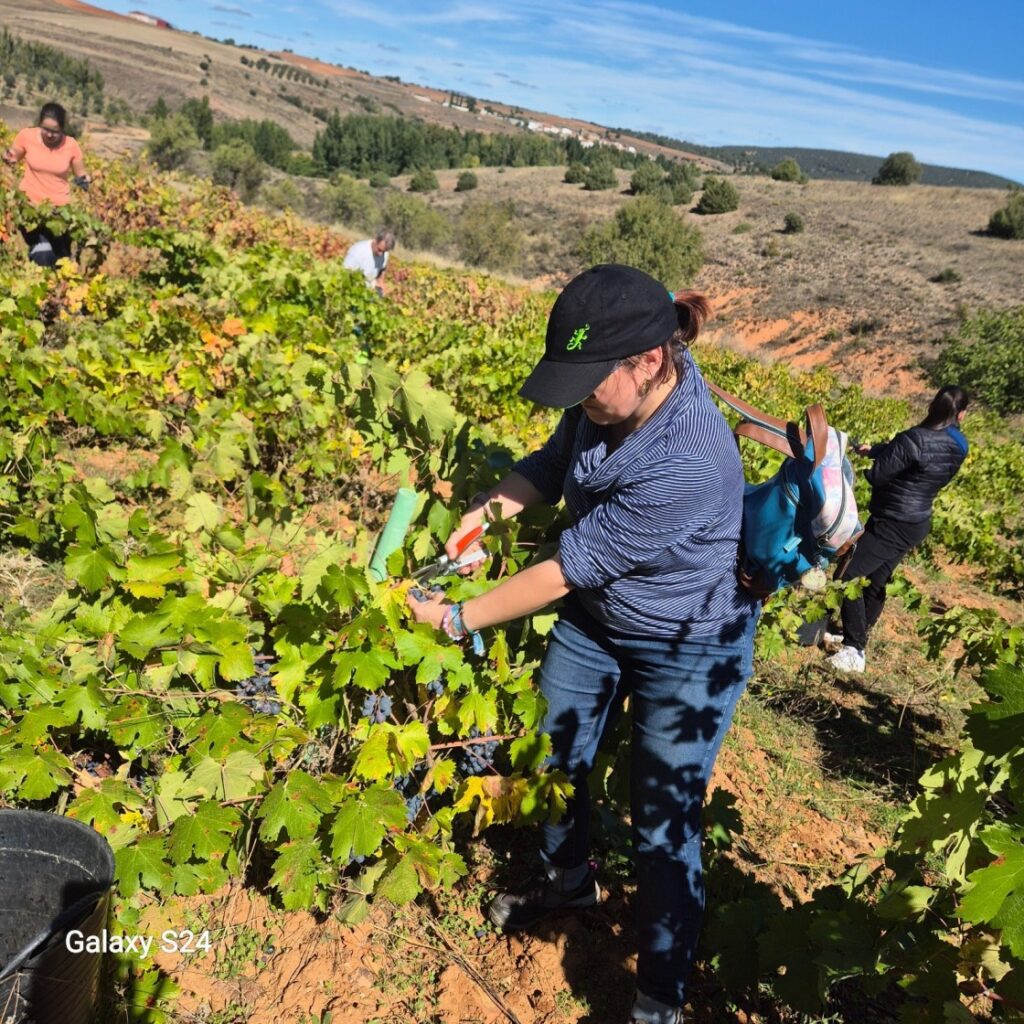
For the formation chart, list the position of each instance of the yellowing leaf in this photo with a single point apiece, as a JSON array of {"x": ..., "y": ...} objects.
[{"x": 498, "y": 799}]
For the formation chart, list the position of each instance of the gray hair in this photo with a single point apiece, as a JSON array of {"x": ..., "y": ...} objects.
[{"x": 386, "y": 237}]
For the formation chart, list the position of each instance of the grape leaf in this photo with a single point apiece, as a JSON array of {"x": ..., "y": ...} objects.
[
  {"x": 91, "y": 567},
  {"x": 204, "y": 834},
  {"x": 997, "y": 891},
  {"x": 86, "y": 703},
  {"x": 237, "y": 777},
  {"x": 373, "y": 761},
  {"x": 144, "y": 632},
  {"x": 528, "y": 753},
  {"x": 298, "y": 871},
  {"x": 142, "y": 866},
  {"x": 202, "y": 513},
  {"x": 363, "y": 821},
  {"x": 498, "y": 799},
  {"x": 479, "y": 709},
  {"x": 997, "y": 726},
  {"x": 236, "y": 662},
  {"x": 401, "y": 884},
  {"x": 33, "y": 774},
  {"x": 295, "y": 805}
]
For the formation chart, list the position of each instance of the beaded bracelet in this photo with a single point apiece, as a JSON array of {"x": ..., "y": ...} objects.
[
  {"x": 452, "y": 624},
  {"x": 455, "y": 627}
]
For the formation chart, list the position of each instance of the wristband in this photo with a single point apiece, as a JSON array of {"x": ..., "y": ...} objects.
[
  {"x": 455, "y": 628},
  {"x": 481, "y": 500}
]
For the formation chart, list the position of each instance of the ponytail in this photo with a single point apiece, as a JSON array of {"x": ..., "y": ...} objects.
[
  {"x": 692, "y": 311},
  {"x": 945, "y": 407}
]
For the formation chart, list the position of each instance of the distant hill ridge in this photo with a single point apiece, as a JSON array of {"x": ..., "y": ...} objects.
[
  {"x": 829, "y": 164},
  {"x": 175, "y": 64}
]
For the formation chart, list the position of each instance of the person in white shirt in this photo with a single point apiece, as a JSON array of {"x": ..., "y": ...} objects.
[{"x": 370, "y": 258}]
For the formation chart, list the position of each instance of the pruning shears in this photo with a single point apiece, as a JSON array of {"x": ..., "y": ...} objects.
[{"x": 446, "y": 566}]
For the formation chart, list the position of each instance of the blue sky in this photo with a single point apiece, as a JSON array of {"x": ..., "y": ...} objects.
[{"x": 942, "y": 79}]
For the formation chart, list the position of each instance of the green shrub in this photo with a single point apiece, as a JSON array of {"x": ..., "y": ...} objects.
[
  {"x": 467, "y": 182},
  {"x": 379, "y": 180},
  {"x": 575, "y": 173},
  {"x": 719, "y": 196},
  {"x": 646, "y": 179},
  {"x": 946, "y": 276},
  {"x": 898, "y": 169},
  {"x": 987, "y": 358},
  {"x": 171, "y": 140},
  {"x": 301, "y": 164},
  {"x": 349, "y": 201},
  {"x": 743, "y": 227},
  {"x": 1008, "y": 222},
  {"x": 282, "y": 195},
  {"x": 600, "y": 175},
  {"x": 424, "y": 180},
  {"x": 680, "y": 192},
  {"x": 415, "y": 223},
  {"x": 787, "y": 170},
  {"x": 648, "y": 234},
  {"x": 686, "y": 172},
  {"x": 793, "y": 224},
  {"x": 488, "y": 235},
  {"x": 237, "y": 165}
]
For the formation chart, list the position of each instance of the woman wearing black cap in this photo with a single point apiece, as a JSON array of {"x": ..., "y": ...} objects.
[{"x": 653, "y": 482}]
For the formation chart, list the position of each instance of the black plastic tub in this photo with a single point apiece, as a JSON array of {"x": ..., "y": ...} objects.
[{"x": 55, "y": 877}]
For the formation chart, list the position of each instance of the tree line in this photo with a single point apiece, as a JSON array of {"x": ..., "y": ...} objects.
[{"x": 364, "y": 144}]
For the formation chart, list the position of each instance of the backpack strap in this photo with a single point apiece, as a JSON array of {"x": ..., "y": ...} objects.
[
  {"x": 783, "y": 436},
  {"x": 817, "y": 427}
]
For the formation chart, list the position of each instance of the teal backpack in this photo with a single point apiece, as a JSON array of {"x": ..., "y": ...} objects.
[{"x": 803, "y": 518}]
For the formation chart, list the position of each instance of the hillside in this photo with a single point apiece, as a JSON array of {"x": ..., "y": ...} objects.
[
  {"x": 831, "y": 164},
  {"x": 142, "y": 63},
  {"x": 853, "y": 291}
]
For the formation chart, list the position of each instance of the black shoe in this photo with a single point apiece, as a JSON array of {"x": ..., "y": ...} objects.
[{"x": 514, "y": 911}]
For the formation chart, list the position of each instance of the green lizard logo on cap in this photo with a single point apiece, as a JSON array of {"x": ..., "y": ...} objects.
[{"x": 578, "y": 337}]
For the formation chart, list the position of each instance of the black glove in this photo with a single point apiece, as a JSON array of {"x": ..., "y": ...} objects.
[{"x": 82, "y": 181}]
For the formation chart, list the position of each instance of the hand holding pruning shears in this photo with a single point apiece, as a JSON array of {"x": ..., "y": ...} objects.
[{"x": 460, "y": 556}]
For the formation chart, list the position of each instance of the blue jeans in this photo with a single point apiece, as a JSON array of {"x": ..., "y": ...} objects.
[{"x": 683, "y": 693}]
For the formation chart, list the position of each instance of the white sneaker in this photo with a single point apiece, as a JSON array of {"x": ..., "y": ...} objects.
[
  {"x": 832, "y": 642},
  {"x": 847, "y": 659}
]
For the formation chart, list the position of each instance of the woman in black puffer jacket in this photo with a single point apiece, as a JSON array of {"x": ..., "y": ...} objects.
[{"x": 908, "y": 472}]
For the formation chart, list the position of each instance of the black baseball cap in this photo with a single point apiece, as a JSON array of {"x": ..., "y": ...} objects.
[{"x": 603, "y": 315}]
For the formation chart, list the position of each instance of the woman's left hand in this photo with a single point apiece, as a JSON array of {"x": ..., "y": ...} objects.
[{"x": 430, "y": 610}]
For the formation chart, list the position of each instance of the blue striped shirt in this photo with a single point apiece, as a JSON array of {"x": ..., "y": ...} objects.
[{"x": 654, "y": 541}]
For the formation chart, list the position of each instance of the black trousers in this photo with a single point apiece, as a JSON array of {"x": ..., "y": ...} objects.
[
  {"x": 885, "y": 544},
  {"x": 60, "y": 246}
]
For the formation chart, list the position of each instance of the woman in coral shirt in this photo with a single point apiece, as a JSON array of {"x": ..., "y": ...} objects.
[{"x": 51, "y": 158}]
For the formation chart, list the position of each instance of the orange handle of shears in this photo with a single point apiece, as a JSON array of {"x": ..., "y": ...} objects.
[{"x": 464, "y": 542}]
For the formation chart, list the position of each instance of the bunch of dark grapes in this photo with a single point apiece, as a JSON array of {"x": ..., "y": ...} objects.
[
  {"x": 478, "y": 757},
  {"x": 408, "y": 787},
  {"x": 256, "y": 691},
  {"x": 376, "y": 707},
  {"x": 435, "y": 687}
]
